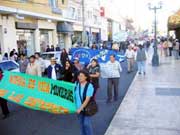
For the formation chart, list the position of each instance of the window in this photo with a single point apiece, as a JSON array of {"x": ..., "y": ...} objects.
[
  {"x": 79, "y": 16},
  {"x": 72, "y": 12},
  {"x": 24, "y": 0},
  {"x": 63, "y": 2},
  {"x": 53, "y": 3}
]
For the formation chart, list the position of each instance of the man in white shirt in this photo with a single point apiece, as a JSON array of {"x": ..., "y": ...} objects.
[
  {"x": 113, "y": 80},
  {"x": 130, "y": 55},
  {"x": 54, "y": 70}
]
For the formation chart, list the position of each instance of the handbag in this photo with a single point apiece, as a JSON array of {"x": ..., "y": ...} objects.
[{"x": 91, "y": 108}]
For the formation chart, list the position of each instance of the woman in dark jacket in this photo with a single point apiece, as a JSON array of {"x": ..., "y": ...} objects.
[
  {"x": 64, "y": 57},
  {"x": 3, "y": 102},
  {"x": 68, "y": 72}
]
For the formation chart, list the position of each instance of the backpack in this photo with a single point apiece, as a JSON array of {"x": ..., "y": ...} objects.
[{"x": 91, "y": 108}]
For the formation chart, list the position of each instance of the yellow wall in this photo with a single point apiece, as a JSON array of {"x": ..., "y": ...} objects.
[{"x": 38, "y": 6}]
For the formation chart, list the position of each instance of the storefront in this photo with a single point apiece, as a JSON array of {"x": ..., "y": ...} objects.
[
  {"x": 25, "y": 38},
  {"x": 46, "y": 37},
  {"x": 65, "y": 32}
]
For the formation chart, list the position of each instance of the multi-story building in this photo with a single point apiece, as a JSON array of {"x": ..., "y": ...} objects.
[
  {"x": 31, "y": 25},
  {"x": 92, "y": 20}
]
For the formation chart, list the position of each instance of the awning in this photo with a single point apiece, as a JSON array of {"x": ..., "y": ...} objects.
[
  {"x": 174, "y": 21},
  {"x": 64, "y": 27}
]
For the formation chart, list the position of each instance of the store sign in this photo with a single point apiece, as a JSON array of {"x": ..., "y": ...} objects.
[{"x": 20, "y": 25}]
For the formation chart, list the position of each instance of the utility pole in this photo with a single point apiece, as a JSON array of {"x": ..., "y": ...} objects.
[
  {"x": 155, "y": 59},
  {"x": 83, "y": 23}
]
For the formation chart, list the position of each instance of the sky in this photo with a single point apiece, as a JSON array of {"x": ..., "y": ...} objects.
[{"x": 143, "y": 17}]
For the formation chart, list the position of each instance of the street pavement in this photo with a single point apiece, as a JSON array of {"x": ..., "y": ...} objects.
[
  {"x": 151, "y": 105},
  {"x": 23, "y": 121}
]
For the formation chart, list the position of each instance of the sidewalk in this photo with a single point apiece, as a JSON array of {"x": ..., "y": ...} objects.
[{"x": 152, "y": 103}]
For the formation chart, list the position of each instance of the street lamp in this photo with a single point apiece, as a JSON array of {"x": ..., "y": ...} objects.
[
  {"x": 83, "y": 22},
  {"x": 155, "y": 59}
]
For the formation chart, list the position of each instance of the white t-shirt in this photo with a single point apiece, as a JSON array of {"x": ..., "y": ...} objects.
[{"x": 53, "y": 74}]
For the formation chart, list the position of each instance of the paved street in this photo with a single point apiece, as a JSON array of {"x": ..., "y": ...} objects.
[
  {"x": 151, "y": 106},
  {"x": 28, "y": 122}
]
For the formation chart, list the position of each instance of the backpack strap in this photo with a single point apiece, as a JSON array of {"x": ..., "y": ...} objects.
[{"x": 84, "y": 92}]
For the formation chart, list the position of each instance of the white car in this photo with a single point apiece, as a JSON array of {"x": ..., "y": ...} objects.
[
  {"x": 9, "y": 65},
  {"x": 46, "y": 56}
]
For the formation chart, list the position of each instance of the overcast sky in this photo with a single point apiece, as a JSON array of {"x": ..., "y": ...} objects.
[{"x": 138, "y": 10}]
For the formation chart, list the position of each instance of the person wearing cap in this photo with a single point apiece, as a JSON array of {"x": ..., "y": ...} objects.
[
  {"x": 54, "y": 70},
  {"x": 33, "y": 68}
]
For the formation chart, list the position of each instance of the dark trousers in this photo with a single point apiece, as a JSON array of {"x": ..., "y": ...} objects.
[
  {"x": 170, "y": 51},
  {"x": 4, "y": 106},
  {"x": 112, "y": 82}
]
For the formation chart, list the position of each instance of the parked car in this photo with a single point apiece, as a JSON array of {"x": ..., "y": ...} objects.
[
  {"x": 9, "y": 65},
  {"x": 46, "y": 56}
]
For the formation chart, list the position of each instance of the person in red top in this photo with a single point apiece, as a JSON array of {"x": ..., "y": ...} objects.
[{"x": 3, "y": 102}]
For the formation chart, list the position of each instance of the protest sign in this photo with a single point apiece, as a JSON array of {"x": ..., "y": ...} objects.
[
  {"x": 86, "y": 55},
  {"x": 38, "y": 93}
]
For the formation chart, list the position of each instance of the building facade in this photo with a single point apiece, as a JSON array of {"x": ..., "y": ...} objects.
[{"x": 30, "y": 25}]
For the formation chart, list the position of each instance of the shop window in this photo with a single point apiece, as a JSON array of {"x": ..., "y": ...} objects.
[{"x": 53, "y": 3}]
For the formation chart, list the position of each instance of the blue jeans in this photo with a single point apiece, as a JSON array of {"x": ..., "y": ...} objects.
[
  {"x": 85, "y": 125},
  {"x": 141, "y": 66}
]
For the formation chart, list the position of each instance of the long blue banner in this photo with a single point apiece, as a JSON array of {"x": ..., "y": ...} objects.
[{"x": 86, "y": 55}]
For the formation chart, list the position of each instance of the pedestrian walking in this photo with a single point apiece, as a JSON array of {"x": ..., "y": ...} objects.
[
  {"x": 141, "y": 59},
  {"x": 33, "y": 68},
  {"x": 5, "y": 57},
  {"x": 68, "y": 72},
  {"x": 78, "y": 67},
  {"x": 170, "y": 46},
  {"x": 176, "y": 49},
  {"x": 54, "y": 71},
  {"x": 23, "y": 63},
  {"x": 94, "y": 72},
  {"x": 165, "y": 48},
  {"x": 48, "y": 49},
  {"x": 52, "y": 49},
  {"x": 115, "y": 69},
  {"x": 40, "y": 62},
  {"x": 84, "y": 83},
  {"x": 3, "y": 102},
  {"x": 64, "y": 57},
  {"x": 130, "y": 55}
]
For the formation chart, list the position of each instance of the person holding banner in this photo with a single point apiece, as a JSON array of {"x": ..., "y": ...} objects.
[
  {"x": 3, "y": 102},
  {"x": 84, "y": 83},
  {"x": 54, "y": 70},
  {"x": 33, "y": 68},
  {"x": 114, "y": 68}
]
